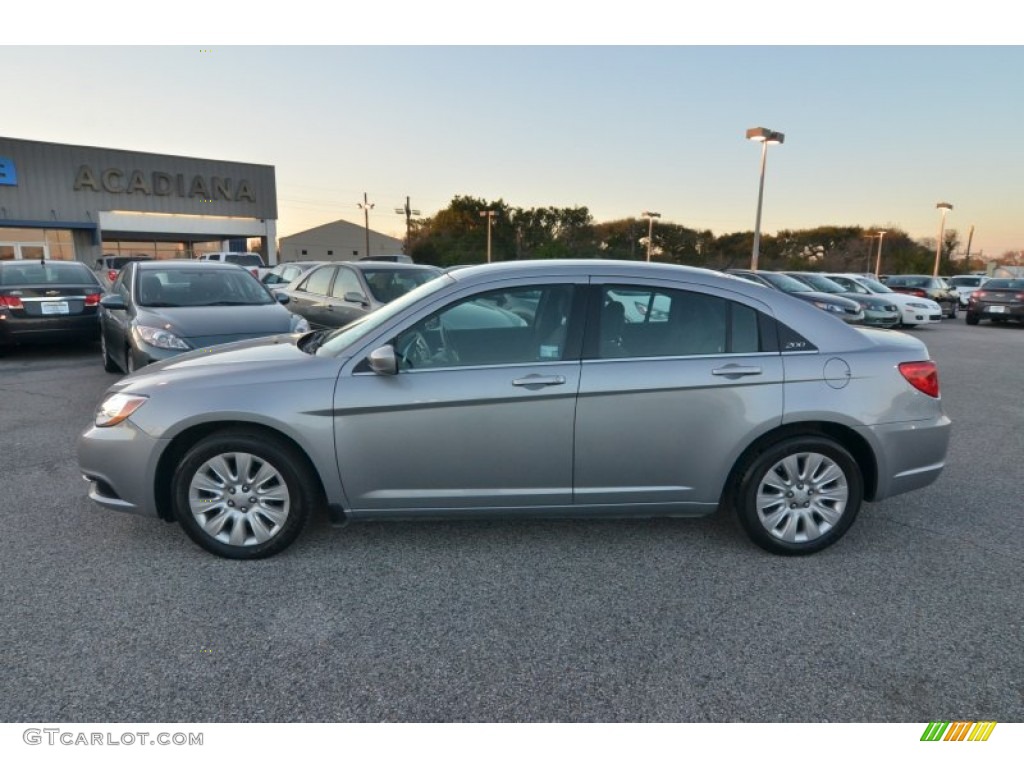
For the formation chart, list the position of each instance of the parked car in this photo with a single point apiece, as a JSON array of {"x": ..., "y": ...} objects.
[
  {"x": 287, "y": 272},
  {"x": 965, "y": 285},
  {"x": 108, "y": 265},
  {"x": 48, "y": 301},
  {"x": 914, "y": 310},
  {"x": 397, "y": 258},
  {"x": 738, "y": 397},
  {"x": 927, "y": 287},
  {"x": 336, "y": 293},
  {"x": 1000, "y": 299},
  {"x": 847, "y": 310},
  {"x": 878, "y": 311},
  {"x": 251, "y": 261},
  {"x": 159, "y": 309}
]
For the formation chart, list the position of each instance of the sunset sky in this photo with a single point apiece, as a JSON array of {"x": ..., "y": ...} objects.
[{"x": 875, "y": 135}]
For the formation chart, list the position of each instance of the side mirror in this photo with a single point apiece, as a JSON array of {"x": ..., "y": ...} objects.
[
  {"x": 282, "y": 298},
  {"x": 357, "y": 298},
  {"x": 112, "y": 301},
  {"x": 383, "y": 361}
]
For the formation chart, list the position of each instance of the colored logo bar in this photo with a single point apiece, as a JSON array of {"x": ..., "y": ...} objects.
[
  {"x": 8, "y": 176},
  {"x": 959, "y": 730}
]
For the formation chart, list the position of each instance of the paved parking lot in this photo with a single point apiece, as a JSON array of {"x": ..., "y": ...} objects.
[{"x": 914, "y": 616}]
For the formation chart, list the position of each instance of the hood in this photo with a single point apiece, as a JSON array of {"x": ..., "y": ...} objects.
[{"x": 202, "y": 326}]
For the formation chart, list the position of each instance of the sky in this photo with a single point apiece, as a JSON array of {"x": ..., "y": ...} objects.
[{"x": 875, "y": 134}]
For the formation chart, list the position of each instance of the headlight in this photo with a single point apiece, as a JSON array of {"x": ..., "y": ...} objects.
[
  {"x": 158, "y": 337},
  {"x": 828, "y": 307},
  {"x": 117, "y": 408},
  {"x": 299, "y": 324}
]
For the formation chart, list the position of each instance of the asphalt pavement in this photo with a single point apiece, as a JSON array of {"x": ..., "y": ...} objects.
[{"x": 914, "y": 616}]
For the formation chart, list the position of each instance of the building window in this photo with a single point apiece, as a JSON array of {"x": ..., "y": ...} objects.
[
  {"x": 303, "y": 251},
  {"x": 330, "y": 253},
  {"x": 355, "y": 253}
]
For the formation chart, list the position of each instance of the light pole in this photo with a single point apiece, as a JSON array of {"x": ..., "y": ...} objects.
[
  {"x": 409, "y": 213},
  {"x": 878, "y": 263},
  {"x": 871, "y": 244},
  {"x": 945, "y": 208},
  {"x": 490, "y": 218},
  {"x": 366, "y": 206},
  {"x": 651, "y": 216},
  {"x": 766, "y": 136}
]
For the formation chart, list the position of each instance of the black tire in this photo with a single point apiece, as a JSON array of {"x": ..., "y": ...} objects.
[
  {"x": 971, "y": 318},
  {"x": 802, "y": 509},
  {"x": 108, "y": 362},
  {"x": 242, "y": 533},
  {"x": 952, "y": 312}
]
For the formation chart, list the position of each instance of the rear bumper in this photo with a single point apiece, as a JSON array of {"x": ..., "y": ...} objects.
[
  {"x": 910, "y": 454},
  {"x": 19, "y": 330}
]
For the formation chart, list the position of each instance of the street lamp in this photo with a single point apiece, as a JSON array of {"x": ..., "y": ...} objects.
[
  {"x": 366, "y": 206},
  {"x": 651, "y": 216},
  {"x": 766, "y": 136},
  {"x": 878, "y": 263},
  {"x": 490, "y": 218},
  {"x": 945, "y": 208},
  {"x": 409, "y": 213}
]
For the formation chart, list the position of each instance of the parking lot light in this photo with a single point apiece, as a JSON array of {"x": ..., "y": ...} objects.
[
  {"x": 766, "y": 136},
  {"x": 651, "y": 216},
  {"x": 945, "y": 208},
  {"x": 878, "y": 262}
]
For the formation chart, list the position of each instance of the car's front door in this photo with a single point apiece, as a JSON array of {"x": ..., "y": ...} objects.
[
  {"x": 480, "y": 414},
  {"x": 674, "y": 383}
]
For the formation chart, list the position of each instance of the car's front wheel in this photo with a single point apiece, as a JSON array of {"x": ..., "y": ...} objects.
[
  {"x": 243, "y": 495},
  {"x": 800, "y": 495}
]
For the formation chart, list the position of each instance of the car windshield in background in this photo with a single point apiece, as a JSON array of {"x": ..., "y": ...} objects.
[
  {"x": 785, "y": 282},
  {"x": 966, "y": 282},
  {"x": 910, "y": 282},
  {"x": 386, "y": 285},
  {"x": 1004, "y": 284},
  {"x": 50, "y": 272},
  {"x": 244, "y": 259},
  {"x": 822, "y": 283},
  {"x": 875, "y": 286},
  {"x": 199, "y": 287}
]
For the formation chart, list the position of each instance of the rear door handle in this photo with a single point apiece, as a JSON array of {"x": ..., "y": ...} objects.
[
  {"x": 536, "y": 381},
  {"x": 736, "y": 371}
]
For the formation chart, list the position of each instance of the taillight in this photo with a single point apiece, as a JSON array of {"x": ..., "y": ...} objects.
[
  {"x": 111, "y": 275},
  {"x": 14, "y": 302},
  {"x": 1019, "y": 297},
  {"x": 923, "y": 376},
  {"x": 919, "y": 292},
  {"x": 92, "y": 299},
  {"x": 978, "y": 295}
]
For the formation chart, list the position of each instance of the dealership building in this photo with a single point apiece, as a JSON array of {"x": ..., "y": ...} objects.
[{"x": 61, "y": 201}]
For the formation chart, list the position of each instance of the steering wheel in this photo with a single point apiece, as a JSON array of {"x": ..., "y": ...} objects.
[{"x": 415, "y": 351}]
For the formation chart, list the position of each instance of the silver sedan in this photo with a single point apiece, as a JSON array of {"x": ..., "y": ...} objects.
[{"x": 576, "y": 388}]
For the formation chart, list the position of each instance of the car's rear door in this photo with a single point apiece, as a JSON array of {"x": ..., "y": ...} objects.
[{"x": 673, "y": 386}]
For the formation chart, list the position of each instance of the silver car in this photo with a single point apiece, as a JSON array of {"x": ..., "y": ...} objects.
[{"x": 528, "y": 388}]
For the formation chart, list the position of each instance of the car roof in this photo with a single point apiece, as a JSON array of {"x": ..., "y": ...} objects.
[
  {"x": 384, "y": 266},
  {"x": 186, "y": 264}
]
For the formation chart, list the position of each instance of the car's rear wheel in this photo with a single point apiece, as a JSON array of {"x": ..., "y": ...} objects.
[
  {"x": 971, "y": 318},
  {"x": 243, "y": 495},
  {"x": 108, "y": 362},
  {"x": 952, "y": 312},
  {"x": 800, "y": 495}
]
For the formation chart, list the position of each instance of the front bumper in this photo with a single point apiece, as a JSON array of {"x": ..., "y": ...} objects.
[{"x": 119, "y": 464}]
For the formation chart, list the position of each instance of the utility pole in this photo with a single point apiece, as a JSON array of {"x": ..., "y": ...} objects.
[
  {"x": 409, "y": 213},
  {"x": 967, "y": 259},
  {"x": 366, "y": 206}
]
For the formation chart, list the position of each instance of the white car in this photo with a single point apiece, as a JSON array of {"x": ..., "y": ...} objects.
[
  {"x": 965, "y": 285},
  {"x": 913, "y": 310}
]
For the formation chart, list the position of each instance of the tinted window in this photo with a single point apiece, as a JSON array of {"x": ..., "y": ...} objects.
[
  {"x": 657, "y": 322},
  {"x": 1004, "y": 284},
  {"x": 319, "y": 281},
  {"x": 966, "y": 282},
  {"x": 245, "y": 259},
  {"x": 51, "y": 272}
]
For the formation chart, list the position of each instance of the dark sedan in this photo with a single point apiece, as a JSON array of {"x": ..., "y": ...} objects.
[
  {"x": 928, "y": 287},
  {"x": 334, "y": 294},
  {"x": 159, "y": 309},
  {"x": 48, "y": 301},
  {"x": 999, "y": 300},
  {"x": 847, "y": 310}
]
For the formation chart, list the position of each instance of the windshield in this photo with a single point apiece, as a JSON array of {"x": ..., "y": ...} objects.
[
  {"x": 785, "y": 282},
  {"x": 874, "y": 286},
  {"x": 966, "y": 282},
  {"x": 199, "y": 287},
  {"x": 353, "y": 332},
  {"x": 1004, "y": 284},
  {"x": 245, "y": 259},
  {"x": 821, "y": 283}
]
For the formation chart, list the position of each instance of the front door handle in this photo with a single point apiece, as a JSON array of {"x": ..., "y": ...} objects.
[
  {"x": 536, "y": 381},
  {"x": 734, "y": 371}
]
